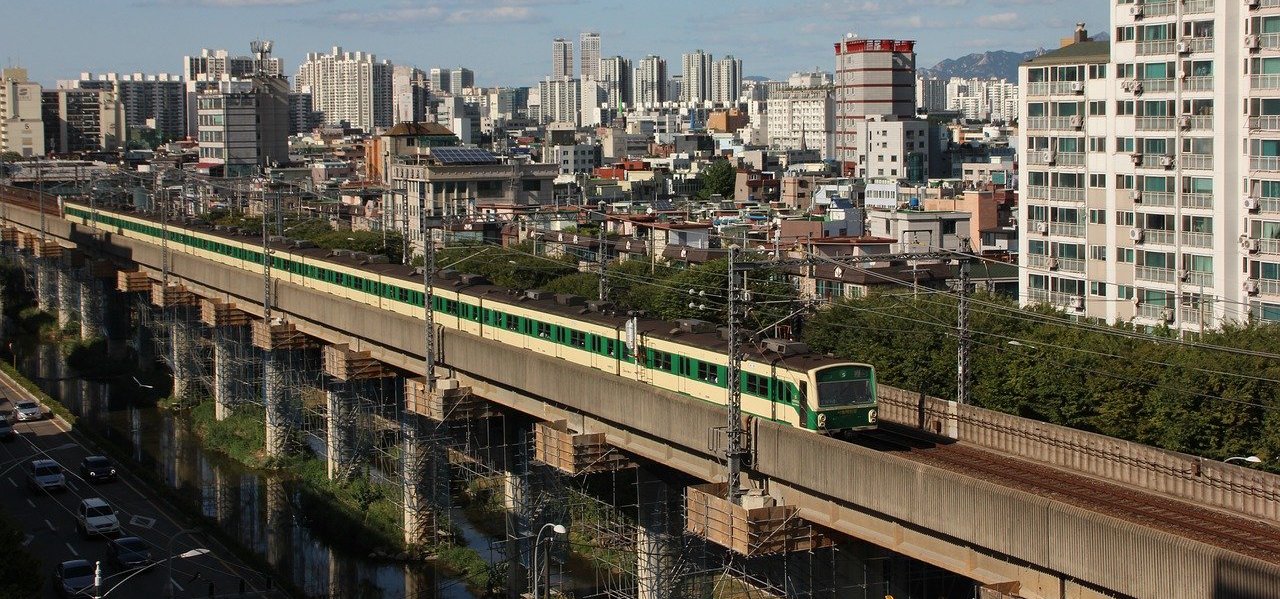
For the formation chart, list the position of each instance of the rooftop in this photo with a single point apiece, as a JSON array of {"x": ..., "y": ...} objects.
[
  {"x": 412, "y": 129},
  {"x": 1077, "y": 53}
]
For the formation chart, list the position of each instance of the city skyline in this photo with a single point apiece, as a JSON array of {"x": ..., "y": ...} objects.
[{"x": 443, "y": 32}]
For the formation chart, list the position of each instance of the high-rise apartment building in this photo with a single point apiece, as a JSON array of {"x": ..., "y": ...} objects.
[
  {"x": 1150, "y": 179},
  {"x": 350, "y": 87},
  {"x": 983, "y": 99},
  {"x": 589, "y": 54},
  {"x": 561, "y": 58},
  {"x": 615, "y": 74},
  {"x": 931, "y": 94},
  {"x": 156, "y": 102},
  {"x": 82, "y": 120},
  {"x": 561, "y": 100},
  {"x": 649, "y": 83},
  {"x": 409, "y": 91},
  {"x": 801, "y": 118},
  {"x": 726, "y": 80},
  {"x": 212, "y": 65},
  {"x": 461, "y": 79},
  {"x": 244, "y": 125},
  {"x": 873, "y": 77},
  {"x": 695, "y": 73},
  {"x": 21, "y": 120},
  {"x": 439, "y": 80}
]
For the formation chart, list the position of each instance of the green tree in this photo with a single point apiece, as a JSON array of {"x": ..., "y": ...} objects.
[{"x": 718, "y": 178}]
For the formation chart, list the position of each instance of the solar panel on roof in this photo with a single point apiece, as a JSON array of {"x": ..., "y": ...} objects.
[
  {"x": 663, "y": 204},
  {"x": 450, "y": 155}
]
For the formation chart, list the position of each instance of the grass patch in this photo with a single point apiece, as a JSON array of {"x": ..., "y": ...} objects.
[
  {"x": 242, "y": 436},
  {"x": 359, "y": 515}
]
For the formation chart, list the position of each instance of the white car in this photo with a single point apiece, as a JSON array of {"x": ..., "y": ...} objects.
[
  {"x": 27, "y": 410},
  {"x": 95, "y": 517}
]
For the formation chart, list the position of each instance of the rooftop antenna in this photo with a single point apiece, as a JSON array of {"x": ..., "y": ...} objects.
[{"x": 261, "y": 54}]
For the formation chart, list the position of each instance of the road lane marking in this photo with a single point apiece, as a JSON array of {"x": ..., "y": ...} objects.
[
  {"x": 142, "y": 522},
  {"x": 26, "y": 540},
  {"x": 31, "y": 503},
  {"x": 176, "y": 585},
  {"x": 50, "y": 525},
  {"x": 71, "y": 486},
  {"x": 12, "y": 482},
  {"x": 73, "y": 549}
]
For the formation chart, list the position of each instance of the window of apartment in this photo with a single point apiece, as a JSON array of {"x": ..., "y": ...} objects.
[
  {"x": 1124, "y": 144},
  {"x": 1098, "y": 252},
  {"x": 1197, "y": 145},
  {"x": 1205, "y": 28},
  {"x": 1037, "y": 212},
  {"x": 1124, "y": 34},
  {"x": 1037, "y": 247},
  {"x": 1097, "y": 107},
  {"x": 1097, "y": 289},
  {"x": 1124, "y": 181},
  {"x": 1097, "y": 71},
  {"x": 1097, "y": 144},
  {"x": 1098, "y": 180},
  {"x": 1125, "y": 70},
  {"x": 1202, "y": 185},
  {"x": 1097, "y": 216},
  {"x": 1155, "y": 145},
  {"x": 1124, "y": 107},
  {"x": 1124, "y": 218},
  {"x": 1124, "y": 255},
  {"x": 1124, "y": 292}
]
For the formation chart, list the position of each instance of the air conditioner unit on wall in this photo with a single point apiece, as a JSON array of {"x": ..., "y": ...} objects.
[
  {"x": 1250, "y": 286},
  {"x": 1251, "y": 203},
  {"x": 1136, "y": 195},
  {"x": 1136, "y": 234}
]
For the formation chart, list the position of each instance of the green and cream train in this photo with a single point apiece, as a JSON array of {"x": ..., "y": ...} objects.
[{"x": 805, "y": 390}]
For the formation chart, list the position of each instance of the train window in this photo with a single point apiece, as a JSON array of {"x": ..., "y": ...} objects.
[
  {"x": 578, "y": 339},
  {"x": 660, "y": 360},
  {"x": 513, "y": 323},
  {"x": 756, "y": 385},
  {"x": 544, "y": 330},
  {"x": 708, "y": 373}
]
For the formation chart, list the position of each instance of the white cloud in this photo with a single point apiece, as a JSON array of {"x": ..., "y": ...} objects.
[{"x": 1000, "y": 19}]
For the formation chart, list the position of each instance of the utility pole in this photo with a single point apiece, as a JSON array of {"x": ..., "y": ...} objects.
[
  {"x": 601, "y": 256},
  {"x": 428, "y": 279},
  {"x": 734, "y": 451},
  {"x": 962, "y": 327},
  {"x": 164, "y": 235},
  {"x": 40, "y": 188}
]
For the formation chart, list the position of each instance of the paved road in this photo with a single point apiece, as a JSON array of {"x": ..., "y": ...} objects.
[{"x": 49, "y": 522}]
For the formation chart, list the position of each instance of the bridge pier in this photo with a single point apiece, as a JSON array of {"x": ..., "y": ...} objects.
[
  {"x": 657, "y": 544},
  {"x": 68, "y": 300},
  {"x": 184, "y": 354},
  {"x": 340, "y": 429},
  {"x": 224, "y": 374},
  {"x": 46, "y": 284},
  {"x": 91, "y": 299},
  {"x": 276, "y": 401}
]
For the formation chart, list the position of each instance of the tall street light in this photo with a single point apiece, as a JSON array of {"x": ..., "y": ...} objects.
[
  {"x": 169, "y": 552},
  {"x": 537, "y": 569},
  {"x": 1253, "y": 459}
]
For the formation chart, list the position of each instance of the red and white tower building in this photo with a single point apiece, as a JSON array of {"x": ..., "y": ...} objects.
[{"x": 874, "y": 77}]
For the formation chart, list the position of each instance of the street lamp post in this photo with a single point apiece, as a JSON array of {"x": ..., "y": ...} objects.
[
  {"x": 169, "y": 552},
  {"x": 537, "y": 567},
  {"x": 97, "y": 573}
]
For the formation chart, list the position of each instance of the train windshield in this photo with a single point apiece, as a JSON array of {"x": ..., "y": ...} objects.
[{"x": 845, "y": 386}]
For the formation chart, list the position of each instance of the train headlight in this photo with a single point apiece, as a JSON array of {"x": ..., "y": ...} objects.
[
  {"x": 871, "y": 416},
  {"x": 822, "y": 421}
]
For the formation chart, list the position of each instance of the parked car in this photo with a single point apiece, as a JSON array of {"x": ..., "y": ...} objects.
[
  {"x": 27, "y": 410},
  {"x": 45, "y": 475},
  {"x": 73, "y": 578},
  {"x": 95, "y": 517},
  {"x": 96, "y": 468},
  {"x": 129, "y": 553}
]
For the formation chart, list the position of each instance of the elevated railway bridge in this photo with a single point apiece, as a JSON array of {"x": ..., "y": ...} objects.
[{"x": 1025, "y": 508}]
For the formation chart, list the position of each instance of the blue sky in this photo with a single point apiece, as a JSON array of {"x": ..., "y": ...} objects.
[{"x": 508, "y": 42}]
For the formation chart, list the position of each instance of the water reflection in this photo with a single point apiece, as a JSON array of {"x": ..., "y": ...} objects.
[{"x": 257, "y": 509}]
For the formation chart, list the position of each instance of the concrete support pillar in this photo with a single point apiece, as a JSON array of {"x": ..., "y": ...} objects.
[
  {"x": 142, "y": 339},
  {"x": 68, "y": 297},
  {"x": 277, "y": 402},
  {"x": 91, "y": 296},
  {"x": 417, "y": 520},
  {"x": 46, "y": 285},
  {"x": 657, "y": 548},
  {"x": 183, "y": 356},
  {"x": 340, "y": 454},
  {"x": 224, "y": 372}
]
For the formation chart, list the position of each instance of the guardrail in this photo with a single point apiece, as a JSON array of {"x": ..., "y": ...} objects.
[{"x": 1206, "y": 482}]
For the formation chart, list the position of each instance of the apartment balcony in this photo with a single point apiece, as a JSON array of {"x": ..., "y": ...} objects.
[
  {"x": 1153, "y": 47},
  {"x": 1055, "y": 88},
  {"x": 1191, "y": 316},
  {"x": 1155, "y": 199},
  {"x": 1155, "y": 123},
  {"x": 1037, "y": 123},
  {"x": 1066, "y": 194},
  {"x": 1199, "y": 44},
  {"x": 1197, "y": 200},
  {"x": 1151, "y": 274},
  {"x": 1269, "y": 4},
  {"x": 1270, "y": 41},
  {"x": 1198, "y": 278},
  {"x": 1156, "y": 312},
  {"x": 1197, "y": 161},
  {"x": 1265, "y": 81},
  {"x": 1264, "y": 163},
  {"x": 1197, "y": 240},
  {"x": 1055, "y": 298},
  {"x": 1199, "y": 121},
  {"x": 1066, "y": 229},
  {"x": 1198, "y": 84},
  {"x": 1038, "y": 192},
  {"x": 1157, "y": 85},
  {"x": 1051, "y": 157},
  {"x": 1269, "y": 122},
  {"x": 1066, "y": 122},
  {"x": 1075, "y": 265},
  {"x": 1038, "y": 88},
  {"x": 1269, "y": 246},
  {"x": 1269, "y": 204},
  {"x": 1269, "y": 287},
  {"x": 1192, "y": 7},
  {"x": 1158, "y": 9},
  {"x": 1159, "y": 237}
]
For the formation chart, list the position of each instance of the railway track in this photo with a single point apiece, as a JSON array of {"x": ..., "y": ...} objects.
[
  {"x": 1212, "y": 527},
  {"x": 25, "y": 198}
]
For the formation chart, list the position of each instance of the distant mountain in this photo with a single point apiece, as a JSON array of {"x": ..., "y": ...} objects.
[{"x": 1001, "y": 64}]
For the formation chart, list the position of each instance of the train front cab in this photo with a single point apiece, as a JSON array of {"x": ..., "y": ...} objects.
[{"x": 841, "y": 398}]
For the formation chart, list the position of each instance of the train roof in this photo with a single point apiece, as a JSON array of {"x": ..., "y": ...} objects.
[{"x": 578, "y": 310}]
